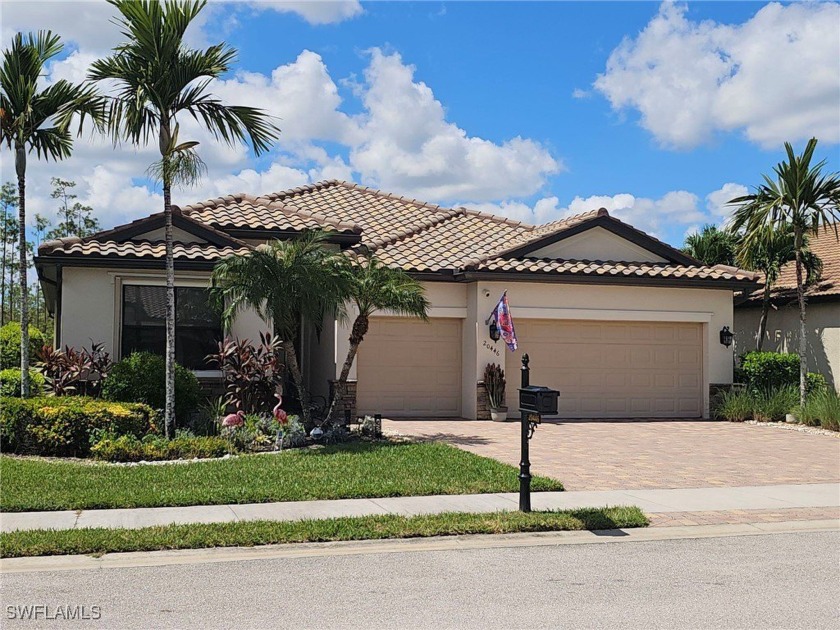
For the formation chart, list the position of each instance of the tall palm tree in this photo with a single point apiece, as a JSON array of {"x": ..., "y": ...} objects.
[
  {"x": 767, "y": 255},
  {"x": 376, "y": 287},
  {"x": 292, "y": 284},
  {"x": 802, "y": 196},
  {"x": 712, "y": 245},
  {"x": 159, "y": 79},
  {"x": 37, "y": 120}
]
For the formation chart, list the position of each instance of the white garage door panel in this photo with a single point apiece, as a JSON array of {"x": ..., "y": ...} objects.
[
  {"x": 410, "y": 368},
  {"x": 613, "y": 369}
]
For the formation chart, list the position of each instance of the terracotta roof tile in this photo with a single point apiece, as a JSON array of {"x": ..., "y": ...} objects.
[
  {"x": 74, "y": 246},
  {"x": 246, "y": 211},
  {"x": 615, "y": 268}
]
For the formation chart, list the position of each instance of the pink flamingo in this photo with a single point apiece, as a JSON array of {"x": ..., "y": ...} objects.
[
  {"x": 234, "y": 419},
  {"x": 279, "y": 415}
]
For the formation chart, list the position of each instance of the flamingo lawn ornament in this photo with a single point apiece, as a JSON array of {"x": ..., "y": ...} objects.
[{"x": 234, "y": 419}]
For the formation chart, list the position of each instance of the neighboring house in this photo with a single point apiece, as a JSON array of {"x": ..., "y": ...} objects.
[
  {"x": 822, "y": 312},
  {"x": 621, "y": 323}
]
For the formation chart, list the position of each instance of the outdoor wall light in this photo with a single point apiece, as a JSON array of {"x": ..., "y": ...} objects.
[
  {"x": 495, "y": 333},
  {"x": 726, "y": 336}
]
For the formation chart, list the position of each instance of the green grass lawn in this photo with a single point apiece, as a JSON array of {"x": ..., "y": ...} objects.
[
  {"x": 98, "y": 541},
  {"x": 354, "y": 470}
]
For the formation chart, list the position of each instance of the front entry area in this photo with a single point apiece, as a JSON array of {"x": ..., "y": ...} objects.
[
  {"x": 613, "y": 369},
  {"x": 410, "y": 368}
]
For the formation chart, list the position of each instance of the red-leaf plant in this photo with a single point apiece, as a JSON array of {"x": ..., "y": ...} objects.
[
  {"x": 252, "y": 374},
  {"x": 72, "y": 371}
]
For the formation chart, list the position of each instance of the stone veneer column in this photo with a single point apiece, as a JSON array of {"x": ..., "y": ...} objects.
[
  {"x": 348, "y": 398},
  {"x": 482, "y": 407}
]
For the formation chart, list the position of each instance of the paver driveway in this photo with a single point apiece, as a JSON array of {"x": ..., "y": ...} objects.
[{"x": 611, "y": 455}]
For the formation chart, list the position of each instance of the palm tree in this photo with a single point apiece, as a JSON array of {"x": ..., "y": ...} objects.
[
  {"x": 768, "y": 255},
  {"x": 158, "y": 79},
  {"x": 292, "y": 284},
  {"x": 802, "y": 197},
  {"x": 37, "y": 120},
  {"x": 712, "y": 245},
  {"x": 377, "y": 287}
]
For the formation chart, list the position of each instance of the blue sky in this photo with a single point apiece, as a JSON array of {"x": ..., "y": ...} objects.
[{"x": 429, "y": 98}]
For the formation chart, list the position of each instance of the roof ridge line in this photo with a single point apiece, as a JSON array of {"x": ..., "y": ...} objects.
[{"x": 497, "y": 218}]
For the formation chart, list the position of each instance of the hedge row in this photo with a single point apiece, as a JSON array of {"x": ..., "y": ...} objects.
[{"x": 66, "y": 426}]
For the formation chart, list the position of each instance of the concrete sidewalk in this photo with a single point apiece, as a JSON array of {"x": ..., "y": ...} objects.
[{"x": 650, "y": 501}]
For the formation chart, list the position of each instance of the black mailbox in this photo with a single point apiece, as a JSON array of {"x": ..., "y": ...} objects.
[{"x": 538, "y": 399}]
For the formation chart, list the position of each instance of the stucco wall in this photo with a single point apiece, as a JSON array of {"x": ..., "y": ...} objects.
[
  {"x": 823, "y": 334},
  {"x": 90, "y": 305},
  {"x": 596, "y": 244}
]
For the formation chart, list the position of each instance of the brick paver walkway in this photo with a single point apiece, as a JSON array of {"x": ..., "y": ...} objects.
[
  {"x": 669, "y": 519},
  {"x": 612, "y": 455}
]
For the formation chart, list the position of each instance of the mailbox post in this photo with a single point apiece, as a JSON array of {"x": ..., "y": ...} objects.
[{"x": 534, "y": 401}]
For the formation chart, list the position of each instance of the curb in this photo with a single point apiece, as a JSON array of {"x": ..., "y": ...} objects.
[{"x": 440, "y": 543}]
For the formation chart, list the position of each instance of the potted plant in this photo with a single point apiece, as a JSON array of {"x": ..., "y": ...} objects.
[{"x": 494, "y": 383}]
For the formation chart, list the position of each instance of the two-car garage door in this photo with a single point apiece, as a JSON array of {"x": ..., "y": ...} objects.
[
  {"x": 613, "y": 369},
  {"x": 603, "y": 369}
]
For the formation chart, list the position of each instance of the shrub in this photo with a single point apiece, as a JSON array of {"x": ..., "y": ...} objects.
[
  {"x": 772, "y": 405},
  {"x": 252, "y": 373},
  {"x": 10, "y": 345},
  {"x": 769, "y": 370},
  {"x": 72, "y": 371},
  {"x": 65, "y": 426},
  {"x": 735, "y": 405},
  {"x": 769, "y": 405},
  {"x": 10, "y": 382},
  {"x": 141, "y": 377},
  {"x": 763, "y": 371},
  {"x": 128, "y": 448},
  {"x": 822, "y": 408}
]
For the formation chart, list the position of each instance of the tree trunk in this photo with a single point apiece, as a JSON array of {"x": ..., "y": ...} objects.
[
  {"x": 3, "y": 274},
  {"x": 170, "y": 308},
  {"x": 294, "y": 367},
  {"x": 20, "y": 167},
  {"x": 357, "y": 335},
  {"x": 800, "y": 294},
  {"x": 762, "y": 323}
]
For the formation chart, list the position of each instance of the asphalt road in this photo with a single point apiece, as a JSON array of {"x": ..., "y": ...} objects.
[{"x": 765, "y": 581}]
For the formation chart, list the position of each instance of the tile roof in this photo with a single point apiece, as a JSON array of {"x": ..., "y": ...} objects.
[
  {"x": 380, "y": 215},
  {"x": 75, "y": 246},
  {"x": 246, "y": 211},
  {"x": 826, "y": 246},
  {"x": 616, "y": 268},
  {"x": 403, "y": 232}
]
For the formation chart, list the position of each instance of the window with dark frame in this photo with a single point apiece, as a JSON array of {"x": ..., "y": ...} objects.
[{"x": 198, "y": 326}]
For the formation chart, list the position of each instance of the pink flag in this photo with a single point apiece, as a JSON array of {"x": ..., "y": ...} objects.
[{"x": 504, "y": 321}]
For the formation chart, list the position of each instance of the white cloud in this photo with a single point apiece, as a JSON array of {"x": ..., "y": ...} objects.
[
  {"x": 655, "y": 216},
  {"x": 315, "y": 11},
  {"x": 776, "y": 77},
  {"x": 409, "y": 147},
  {"x": 717, "y": 202},
  {"x": 89, "y": 25}
]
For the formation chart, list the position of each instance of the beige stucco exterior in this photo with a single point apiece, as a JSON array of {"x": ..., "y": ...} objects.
[
  {"x": 823, "y": 334},
  {"x": 90, "y": 310},
  {"x": 596, "y": 244}
]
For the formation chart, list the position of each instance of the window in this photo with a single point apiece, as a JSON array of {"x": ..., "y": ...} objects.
[{"x": 198, "y": 327}]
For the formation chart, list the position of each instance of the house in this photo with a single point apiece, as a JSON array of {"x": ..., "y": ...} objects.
[
  {"x": 621, "y": 323},
  {"x": 822, "y": 312}
]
